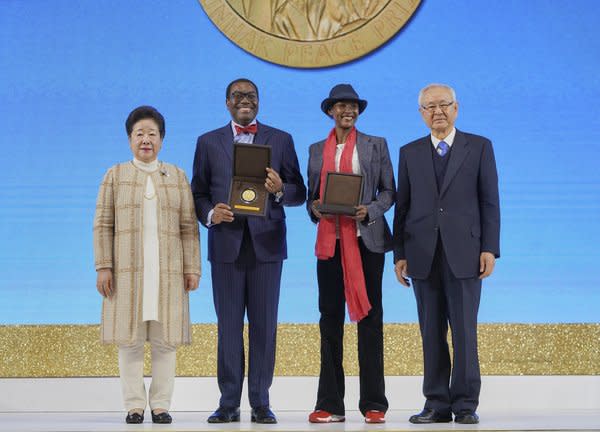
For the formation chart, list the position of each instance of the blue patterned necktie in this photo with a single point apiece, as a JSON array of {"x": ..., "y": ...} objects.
[{"x": 442, "y": 148}]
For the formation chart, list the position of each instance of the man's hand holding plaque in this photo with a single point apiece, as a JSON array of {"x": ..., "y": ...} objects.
[
  {"x": 273, "y": 182},
  {"x": 221, "y": 213}
]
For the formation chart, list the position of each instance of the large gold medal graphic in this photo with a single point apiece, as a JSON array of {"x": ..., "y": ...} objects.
[{"x": 309, "y": 33}]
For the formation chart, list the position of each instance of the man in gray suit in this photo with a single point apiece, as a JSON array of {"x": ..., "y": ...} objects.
[
  {"x": 351, "y": 254},
  {"x": 446, "y": 238}
]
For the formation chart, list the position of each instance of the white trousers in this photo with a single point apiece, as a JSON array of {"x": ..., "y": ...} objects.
[{"x": 131, "y": 369}]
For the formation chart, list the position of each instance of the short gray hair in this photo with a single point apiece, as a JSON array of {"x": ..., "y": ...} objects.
[{"x": 433, "y": 85}]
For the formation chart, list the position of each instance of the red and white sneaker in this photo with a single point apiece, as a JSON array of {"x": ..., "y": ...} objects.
[
  {"x": 374, "y": 416},
  {"x": 320, "y": 416}
]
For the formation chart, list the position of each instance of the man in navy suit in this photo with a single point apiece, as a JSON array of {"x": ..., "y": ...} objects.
[
  {"x": 446, "y": 239},
  {"x": 246, "y": 252}
]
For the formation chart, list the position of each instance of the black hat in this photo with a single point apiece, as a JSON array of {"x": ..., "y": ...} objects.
[{"x": 342, "y": 92}]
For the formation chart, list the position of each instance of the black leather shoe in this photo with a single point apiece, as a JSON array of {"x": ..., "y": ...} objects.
[
  {"x": 466, "y": 417},
  {"x": 263, "y": 415},
  {"x": 429, "y": 415},
  {"x": 225, "y": 415},
  {"x": 134, "y": 418},
  {"x": 162, "y": 418}
]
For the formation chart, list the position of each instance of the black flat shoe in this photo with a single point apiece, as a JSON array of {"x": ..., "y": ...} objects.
[
  {"x": 225, "y": 415},
  {"x": 134, "y": 418},
  {"x": 466, "y": 417},
  {"x": 429, "y": 415},
  {"x": 263, "y": 415},
  {"x": 162, "y": 418}
]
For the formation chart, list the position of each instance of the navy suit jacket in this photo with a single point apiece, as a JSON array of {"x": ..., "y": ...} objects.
[
  {"x": 465, "y": 212},
  {"x": 378, "y": 187},
  {"x": 213, "y": 164}
]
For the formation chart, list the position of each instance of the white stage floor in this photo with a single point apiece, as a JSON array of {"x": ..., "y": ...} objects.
[
  {"x": 397, "y": 420},
  {"x": 507, "y": 403}
]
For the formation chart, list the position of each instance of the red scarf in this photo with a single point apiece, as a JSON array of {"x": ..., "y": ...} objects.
[{"x": 354, "y": 278}]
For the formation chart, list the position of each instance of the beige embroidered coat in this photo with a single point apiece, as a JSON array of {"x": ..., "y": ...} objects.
[{"x": 118, "y": 237}]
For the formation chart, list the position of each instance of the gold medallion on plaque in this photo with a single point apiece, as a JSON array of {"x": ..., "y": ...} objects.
[
  {"x": 248, "y": 195},
  {"x": 309, "y": 33}
]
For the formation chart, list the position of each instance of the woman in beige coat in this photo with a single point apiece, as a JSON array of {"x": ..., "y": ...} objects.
[{"x": 147, "y": 254}]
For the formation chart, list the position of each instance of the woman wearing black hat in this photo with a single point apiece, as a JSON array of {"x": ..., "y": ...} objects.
[{"x": 350, "y": 252}]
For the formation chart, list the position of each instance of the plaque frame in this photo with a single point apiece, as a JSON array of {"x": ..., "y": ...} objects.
[
  {"x": 336, "y": 199},
  {"x": 247, "y": 192}
]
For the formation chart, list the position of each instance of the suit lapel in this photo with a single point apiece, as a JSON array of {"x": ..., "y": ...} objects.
[
  {"x": 227, "y": 140},
  {"x": 315, "y": 169},
  {"x": 457, "y": 156},
  {"x": 318, "y": 160},
  {"x": 365, "y": 151},
  {"x": 425, "y": 162},
  {"x": 263, "y": 134}
]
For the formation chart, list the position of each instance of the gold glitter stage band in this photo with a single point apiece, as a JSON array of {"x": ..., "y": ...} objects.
[{"x": 504, "y": 349}]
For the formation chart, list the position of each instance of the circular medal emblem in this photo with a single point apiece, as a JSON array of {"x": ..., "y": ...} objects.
[
  {"x": 248, "y": 195},
  {"x": 309, "y": 33}
]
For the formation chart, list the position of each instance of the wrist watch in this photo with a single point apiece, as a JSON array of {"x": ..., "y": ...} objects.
[{"x": 279, "y": 194}]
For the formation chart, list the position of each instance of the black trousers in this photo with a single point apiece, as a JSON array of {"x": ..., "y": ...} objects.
[
  {"x": 330, "y": 395},
  {"x": 443, "y": 299}
]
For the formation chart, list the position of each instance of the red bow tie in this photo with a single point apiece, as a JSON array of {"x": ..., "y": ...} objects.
[{"x": 251, "y": 129}]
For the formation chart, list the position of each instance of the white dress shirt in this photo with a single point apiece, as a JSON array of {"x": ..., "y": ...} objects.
[
  {"x": 448, "y": 140},
  {"x": 245, "y": 137},
  {"x": 338, "y": 156}
]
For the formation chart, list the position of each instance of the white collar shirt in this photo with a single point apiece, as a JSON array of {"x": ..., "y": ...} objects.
[
  {"x": 245, "y": 137},
  {"x": 448, "y": 140}
]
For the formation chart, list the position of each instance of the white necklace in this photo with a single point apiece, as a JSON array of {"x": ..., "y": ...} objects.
[{"x": 149, "y": 196}]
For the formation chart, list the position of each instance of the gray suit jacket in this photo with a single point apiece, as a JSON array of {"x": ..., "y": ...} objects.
[{"x": 379, "y": 187}]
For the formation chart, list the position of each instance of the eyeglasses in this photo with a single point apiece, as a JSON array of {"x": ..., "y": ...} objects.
[
  {"x": 432, "y": 107},
  {"x": 238, "y": 96}
]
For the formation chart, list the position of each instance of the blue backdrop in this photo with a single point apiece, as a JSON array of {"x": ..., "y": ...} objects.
[{"x": 526, "y": 75}]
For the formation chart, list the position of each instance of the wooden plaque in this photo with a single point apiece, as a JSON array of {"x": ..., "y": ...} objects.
[
  {"x": 247, "y": 194},
  {"x": 343, "y": 192}
]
